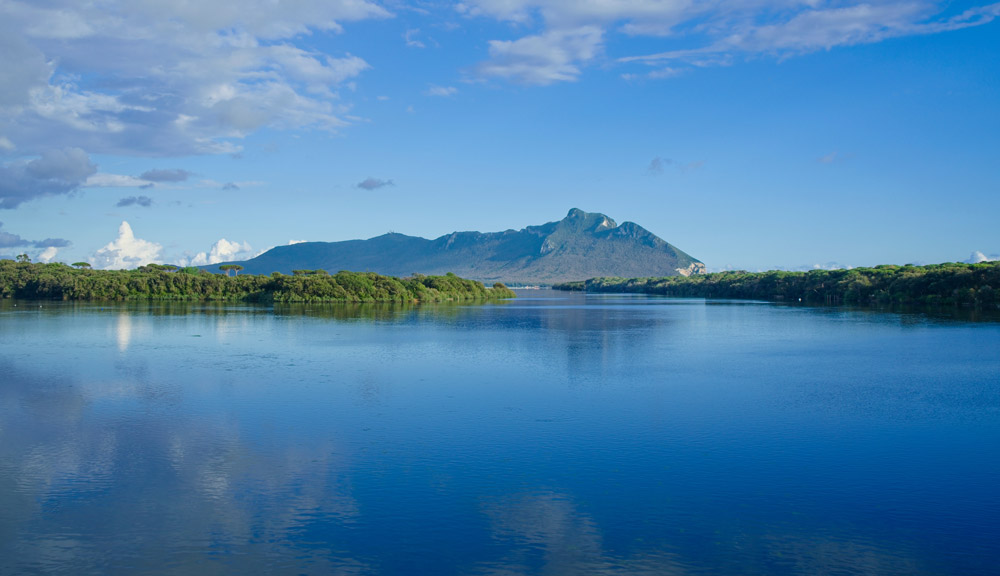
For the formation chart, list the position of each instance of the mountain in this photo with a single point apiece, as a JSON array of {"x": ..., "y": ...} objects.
[{"x": 582, "y": 245}]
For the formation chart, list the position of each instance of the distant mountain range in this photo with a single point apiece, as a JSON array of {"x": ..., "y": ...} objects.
[{"x": 580, "y": 246}]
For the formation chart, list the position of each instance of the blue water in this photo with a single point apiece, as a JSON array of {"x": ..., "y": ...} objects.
[{"x": 554, "y": 434}]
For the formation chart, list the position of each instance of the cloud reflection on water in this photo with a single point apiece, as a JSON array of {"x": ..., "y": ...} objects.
[
  {"x": 240, "y": 441},
  {"x": 548, "y": 534},
  {"x": 159, "y": 487}
]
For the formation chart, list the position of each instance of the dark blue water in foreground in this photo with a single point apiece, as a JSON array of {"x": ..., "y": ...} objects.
[{"x": 562, "y": 434}]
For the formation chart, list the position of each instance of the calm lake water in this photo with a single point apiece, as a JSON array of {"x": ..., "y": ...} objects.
[{"x": 555, "y": 434}]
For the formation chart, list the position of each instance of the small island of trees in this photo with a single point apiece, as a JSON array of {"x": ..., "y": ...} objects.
[
  {"x": 949, "y": 284},
  {"x": 55, "y": 281}
]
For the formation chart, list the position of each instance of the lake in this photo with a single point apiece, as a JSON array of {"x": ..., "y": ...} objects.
[{"x": 557, "y": 433}]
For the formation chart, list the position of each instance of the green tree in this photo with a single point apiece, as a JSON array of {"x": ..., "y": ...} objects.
[
  {"x": 82, "y": 265},
  {"x": 24, "y": 258}
]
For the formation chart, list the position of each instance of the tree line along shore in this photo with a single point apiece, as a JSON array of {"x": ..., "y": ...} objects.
[
  {"x": 949, "y": 284},
  {"x": 57, "y": 281}
]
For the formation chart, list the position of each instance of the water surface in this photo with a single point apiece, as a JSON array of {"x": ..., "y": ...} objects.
[{"x": 554, "y": 434}]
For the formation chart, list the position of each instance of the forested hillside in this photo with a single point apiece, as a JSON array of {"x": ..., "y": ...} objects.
[
  {"x": 581, "y": 245},
  {"x": 153, "y": 282}
]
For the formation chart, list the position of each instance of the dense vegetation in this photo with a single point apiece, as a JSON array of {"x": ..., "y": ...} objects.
[
  {"x": 939, "y": 284},
  {"x": 154, "y": 282}
]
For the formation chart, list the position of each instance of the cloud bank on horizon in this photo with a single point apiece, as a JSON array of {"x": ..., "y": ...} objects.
[
  {"x": 128, "y": 251},
  {"x": 84, "y": 84}
]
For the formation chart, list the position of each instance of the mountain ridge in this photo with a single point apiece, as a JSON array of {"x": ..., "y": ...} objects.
[{"x": 582, "y": 245}]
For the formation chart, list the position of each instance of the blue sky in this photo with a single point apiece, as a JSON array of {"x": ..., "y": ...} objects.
[{"x": 756, "y": 134}]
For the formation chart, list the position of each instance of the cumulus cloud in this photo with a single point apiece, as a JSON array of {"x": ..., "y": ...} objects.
[
  {"x": 170, "y": 78},
  {"x": 698, "y": 33},
  {"x": 144, "y": 201},
  {"x": 374, "y": 183},
  {"x": 48, "y": 254},
  {"x": 174, "y": 175},
  {"x": 54, "y": 172},
  {"x": 978, "y": 257},
  {"x": 126, "y": 251},
  {"x": 222, "y": 251}
]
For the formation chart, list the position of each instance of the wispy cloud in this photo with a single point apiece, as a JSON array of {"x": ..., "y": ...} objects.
[
  {"x": 410, "y": 37},
  {"x": 827, "y": 158},
  {"x": 105, "y": 180},
  {"x": 374, "y": 183},
  {"x": 173, "y": 175},
  {"x": 699, "y": 34},
  {"x": 144, "y": 201},
  {"x": 547, "y": 58},
  {"x": 444, "y": 91},
  {"x": 659, "y": 164},
  {"x": 692, "y": 166}
]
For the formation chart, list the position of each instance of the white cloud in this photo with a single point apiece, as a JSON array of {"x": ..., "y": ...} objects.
[
  {"x": 410, "y": 37},
  {"x": 554, "y": 56},
  {"x": 126, "y": 251},
  {"x": 169, "y": 78},
  {"x": 222, "y": 251},
  {"x": 444, "y": 91},
  {"x": 104, "y": 180},
  {"x": 978, "y": 257},
  {"x": 48, "y": 254},
  {"x": 700, "y": 34}
]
